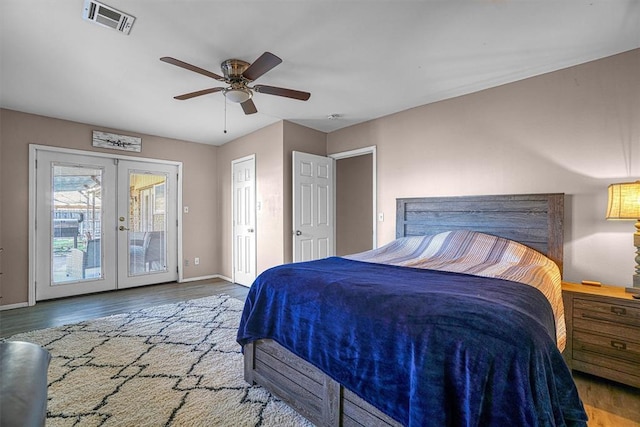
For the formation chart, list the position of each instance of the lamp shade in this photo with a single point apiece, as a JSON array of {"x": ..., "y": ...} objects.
[{"x": 624, "y": 201}]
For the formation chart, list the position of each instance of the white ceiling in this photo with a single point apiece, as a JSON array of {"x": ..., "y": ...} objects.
[{"x": 359, "y": 59}]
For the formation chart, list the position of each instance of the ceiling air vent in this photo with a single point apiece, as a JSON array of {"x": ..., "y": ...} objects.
[{"x": 107, "y": 16}]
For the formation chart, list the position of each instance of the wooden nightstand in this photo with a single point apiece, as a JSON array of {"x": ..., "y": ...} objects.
[{"x": 603, "y": 332}]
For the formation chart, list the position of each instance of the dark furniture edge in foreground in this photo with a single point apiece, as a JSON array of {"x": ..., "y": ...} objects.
[
  {"x": 535, "y": 220},
  {"x": 23, "y": 384}
]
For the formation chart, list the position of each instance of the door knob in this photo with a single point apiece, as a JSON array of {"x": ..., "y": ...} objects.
[
  {"x": 250, "y": 230},
  {"x": 122, "y": 228},
  {"x": 298, "y": 233}
]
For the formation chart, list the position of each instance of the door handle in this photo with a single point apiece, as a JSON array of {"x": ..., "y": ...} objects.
[
  {"x": 298, "y": 233},
  {"x": 250, "y": 230},
  {"x": 122, "y": 228}
]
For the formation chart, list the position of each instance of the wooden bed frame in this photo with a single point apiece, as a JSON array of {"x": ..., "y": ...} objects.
[{"x": 533, "y": 219}]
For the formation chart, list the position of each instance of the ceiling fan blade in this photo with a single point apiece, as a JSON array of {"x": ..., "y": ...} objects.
[
  {"x": 249, "y": 107},
  {"x": 190, "y": 67},
  {"x": 198, "y": 93},
  {"x": 279, "y": 91},
  {"x": 264, "y": 63}
]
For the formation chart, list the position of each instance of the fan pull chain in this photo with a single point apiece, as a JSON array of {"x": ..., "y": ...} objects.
[{"x": 225, "y": 114}]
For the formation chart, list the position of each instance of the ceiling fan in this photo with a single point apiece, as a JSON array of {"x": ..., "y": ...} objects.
[{"x": 238, "y": 75}]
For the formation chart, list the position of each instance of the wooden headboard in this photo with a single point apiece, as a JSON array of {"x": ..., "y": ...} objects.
[{"x": 535, "y": 220}]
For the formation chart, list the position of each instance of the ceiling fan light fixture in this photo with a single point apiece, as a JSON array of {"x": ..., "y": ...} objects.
[
  {"x": 238, "y": 75},
  {"x": 238, "y": 95}
]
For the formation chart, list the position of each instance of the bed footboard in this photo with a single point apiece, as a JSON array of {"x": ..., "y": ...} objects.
[{"x": 306, "y": 389}]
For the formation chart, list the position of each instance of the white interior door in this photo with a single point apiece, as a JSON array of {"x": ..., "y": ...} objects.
[
  {"x": 313, "y": 211},
  {"x": 244, "y": 220},
  {"x": 147, "y": 223}
]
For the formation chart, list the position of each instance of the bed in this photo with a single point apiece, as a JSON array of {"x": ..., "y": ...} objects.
[{"x": 384, "y": 339}]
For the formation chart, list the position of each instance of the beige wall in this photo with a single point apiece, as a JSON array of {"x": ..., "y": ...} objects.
[
  {"x": 296, "y": 138},
  {"x": 574, "y": 131},
  {"x": 267, "y": 146},
  {"x": 18, "y": 130},
  {"x": 354, "y": 199},
  {"x": 272, "y": 146},
  {"x": 3, "y": 178}
]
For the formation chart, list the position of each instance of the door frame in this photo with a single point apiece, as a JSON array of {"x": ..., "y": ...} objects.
[
  {"x": 33, "y": 149},
  {"x": 354, "y": 153},
  {"x": 255, "y": 214}
]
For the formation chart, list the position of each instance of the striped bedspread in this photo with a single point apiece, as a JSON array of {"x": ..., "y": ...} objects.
[{"x": 478, "y": 254}]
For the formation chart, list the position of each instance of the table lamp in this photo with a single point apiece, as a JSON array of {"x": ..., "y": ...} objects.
[{"x": 624, "y": 203}]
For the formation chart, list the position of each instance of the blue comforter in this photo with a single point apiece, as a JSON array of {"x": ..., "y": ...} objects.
[{"x": 428, "y": 348}]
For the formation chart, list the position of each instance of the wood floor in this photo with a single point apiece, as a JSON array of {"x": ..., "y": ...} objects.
[
  {"x": 608, "y": 404},
  {"x": 51, "y": 313}
]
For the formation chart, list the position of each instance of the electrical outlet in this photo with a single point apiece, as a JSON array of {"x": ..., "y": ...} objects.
[
  {"x": 186, "y": 263},
  {"x": 196, "y": 261}
]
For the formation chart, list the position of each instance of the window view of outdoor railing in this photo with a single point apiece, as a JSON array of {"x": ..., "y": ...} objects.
[{"x": 77, "y": 224}]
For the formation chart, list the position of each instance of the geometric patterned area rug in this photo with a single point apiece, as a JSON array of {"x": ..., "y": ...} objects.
[{"x": 170, "y": 365}]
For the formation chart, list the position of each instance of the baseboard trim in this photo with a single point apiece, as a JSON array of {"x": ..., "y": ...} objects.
[
  {"x": 213, "y": 276},
  {"x": 228, "y": 279},
  {"x": 12, "y": 306}
]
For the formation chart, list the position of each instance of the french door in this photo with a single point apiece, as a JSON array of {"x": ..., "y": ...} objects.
[
  {"x": 147, "y": 223},
  {"x": 102, "y": 223}
]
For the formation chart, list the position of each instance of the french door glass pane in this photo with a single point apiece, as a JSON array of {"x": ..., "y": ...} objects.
[
  {"x": 76, "y": 210},
  {"x": 147, "y": 223}
]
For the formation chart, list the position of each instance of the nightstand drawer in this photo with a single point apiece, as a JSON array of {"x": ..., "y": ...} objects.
[
  {"x": 610, "y": 363},
  {"x": 588, "y": 324},
  {"x": 602, "y": 310},
  {"x": 614, "y": 347}
]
